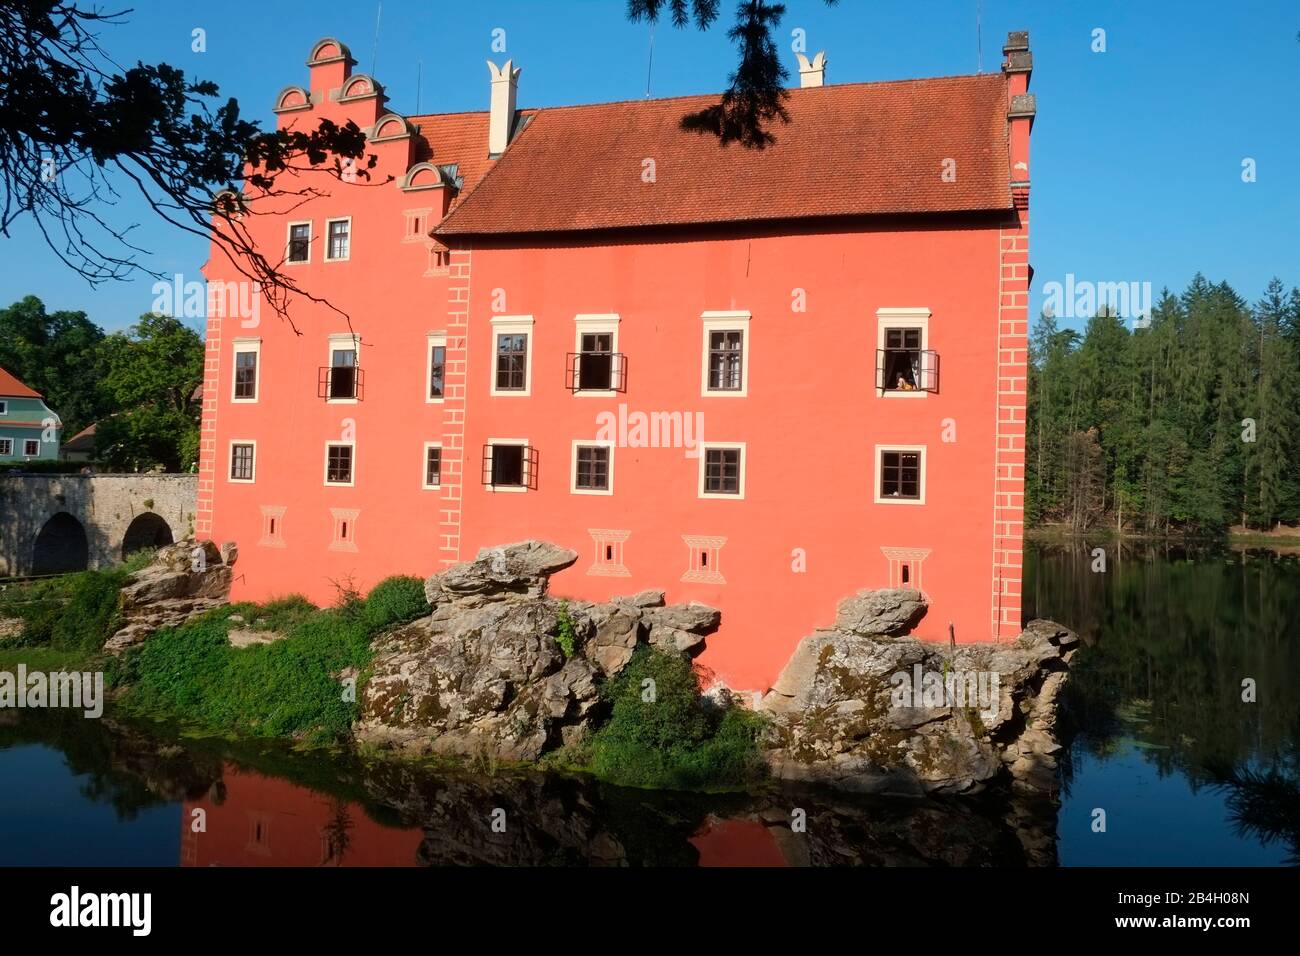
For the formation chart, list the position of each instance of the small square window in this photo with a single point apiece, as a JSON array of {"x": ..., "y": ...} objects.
[
  {"x": 6, "y": 446},
  {"x": 31, "y": 447},
  {"x": 508, "y": 466},
  {"x": 591, "y": 468},
  {"x": 338, "y": 464},
  {"x": 241, "y": 461},
  {"x": 722, "y": 471},
  {"x": 900, "y": 475},
  {"x": 4, "y": 408}
]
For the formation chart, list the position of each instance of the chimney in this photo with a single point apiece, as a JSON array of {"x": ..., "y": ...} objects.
[
  {"x": 814, "y": 73},
  {"x": 505, "y": 82},
  {"x": 1021, "y": 104}
]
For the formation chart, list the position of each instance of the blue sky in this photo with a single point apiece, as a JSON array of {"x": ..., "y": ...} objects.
[{"x": 1137, "y": 151}]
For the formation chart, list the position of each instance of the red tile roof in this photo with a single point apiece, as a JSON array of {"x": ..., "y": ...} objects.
[
  {"x": 459, "y": 138},
  {"x": 10, "y": 387},
  {"x": 84, "y": 440},
  {"x": 849, "y": 149}
]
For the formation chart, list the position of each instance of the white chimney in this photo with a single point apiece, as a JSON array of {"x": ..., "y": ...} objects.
[
  {"x": 505, "y": 81},
  {"x": 814, "y": 73}
]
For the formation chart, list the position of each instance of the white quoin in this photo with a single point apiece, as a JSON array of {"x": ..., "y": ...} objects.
[
  {"x": 814, "y": 73},
  {"x": 505, "y": 81}
]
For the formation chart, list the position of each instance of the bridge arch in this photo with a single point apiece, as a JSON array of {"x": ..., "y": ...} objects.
[
  {"x": 146, "y": 530},
  {"x": 61, "y": 545}
]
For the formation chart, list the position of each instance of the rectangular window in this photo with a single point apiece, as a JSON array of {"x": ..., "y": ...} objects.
[
  {"x": 900, "y": 475},
  {"x": 437, "y": 369},
  {"x": 241, "y": 461},
  {"x": 4, "y": 407},
  {"x": 596, "y": 361},
  {"x": 512, "y": 362},
  {"x": 245, "y": 374},
  {"x": 338, "y": 239},
  {"x": 722, "y": 471},
  {"x": 6, "y": 446},
  {"x": 299, "y": 242},
  {"x": 591, "y": 468},
  {"x": 343, "y": 372},
  {"x": 338, "y": 464},
  {"x": 31, "y": 447},
  {"x": 726, "y": 360},
  {"x": 432, "y": 466},
  {"x": 508, "y": 466}
]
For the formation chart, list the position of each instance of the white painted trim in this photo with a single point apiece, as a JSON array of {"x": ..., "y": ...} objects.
[
  {"x": 905, "y": 318},
  {"x": 326, "y": 256},
  {"x": 587, "y": 324},
  {"x": 704, "y": 448},
  {"x": 32, "y": 454},
  {"x": 4, "y": 406},
  {"x": 434, "y": 340},
  {"x": 246, "y": 345},
  {"x": 573, "y": 466},
  {"x": 325, "y": 474},
  {"x": 509, "y": 489},
  {"x": 230, "y": 456},
  {"x": 512, "y": 325},
  {"x": 424, "y": 466},
  {"x": 288, "y": 242},
  {"x": 875, "y": 487},
  {"x": 736, "y": 321},
  {"x": 6, "y": 447},
  {"x": 340, "y": 340}
]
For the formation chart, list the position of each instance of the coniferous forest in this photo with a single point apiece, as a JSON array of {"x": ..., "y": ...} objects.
[{"x": 1186, "y": 424}]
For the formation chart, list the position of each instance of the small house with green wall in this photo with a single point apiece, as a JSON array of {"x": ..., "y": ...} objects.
[{"x": 29, "y": 430}]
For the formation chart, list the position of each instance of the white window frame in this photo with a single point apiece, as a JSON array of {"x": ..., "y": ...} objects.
[
  {"x": 4, "y": 406},
  {"x": 573, "y": 466},
  {"x": 877, "y": 468},
  {"x": 730, "y": 321},
  {"x": 435, "y": 340},
  {"x": 230, "y": 458},
  {"x": 326, "y": 256},
  {"x": 424, "y": 466},
  {"x": 340, "y": 340},
  {"x": 246, "y": 345},
  {"x": 6, "y": 447},
  {"x": 587, "y": 324},
  {"x": 905, "y": 318},
  {"x": 705, "y": 447},
  {"x": 526, "y": 475},
  {"x": 288, "y": 242},
  {"x": 325, "y": 474},
  {"x": 31, "y": 441},
  {"x": 512, "y": 325}
]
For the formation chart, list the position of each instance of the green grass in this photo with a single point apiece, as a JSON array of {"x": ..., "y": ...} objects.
[
  {"x": 672, "y": 739},
  {"x": 75, "y": 612},
  {"x": 44, "y": 659},
  {"x": 291, "y": 688}
]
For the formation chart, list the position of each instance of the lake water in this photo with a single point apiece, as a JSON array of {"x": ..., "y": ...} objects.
[{"x": 1184, "y": 770}]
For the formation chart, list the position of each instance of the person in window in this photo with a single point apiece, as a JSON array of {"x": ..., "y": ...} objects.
[{"x": 903, "y": 385}]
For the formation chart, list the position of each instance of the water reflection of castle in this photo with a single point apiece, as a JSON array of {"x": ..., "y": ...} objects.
[{"x": 252, "y": 820}]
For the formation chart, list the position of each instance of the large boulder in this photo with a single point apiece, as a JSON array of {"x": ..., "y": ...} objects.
[
  {"x": 862, "y": 707},
  {"x": 484, "y": 674},
  {"x": 183, "y": 580}
]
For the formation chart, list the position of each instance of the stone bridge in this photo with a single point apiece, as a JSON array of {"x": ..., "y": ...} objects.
[{"x": 51, "y": 523}]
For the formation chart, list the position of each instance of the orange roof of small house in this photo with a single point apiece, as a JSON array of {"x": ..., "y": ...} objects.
[
  {"x": 10, "y": 387},
  {"x": 84, "y": 440},
  {"x": 848, "y": 150}
]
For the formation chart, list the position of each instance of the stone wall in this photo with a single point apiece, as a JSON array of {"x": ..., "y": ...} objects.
[{"x": 103, "y": 508}]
